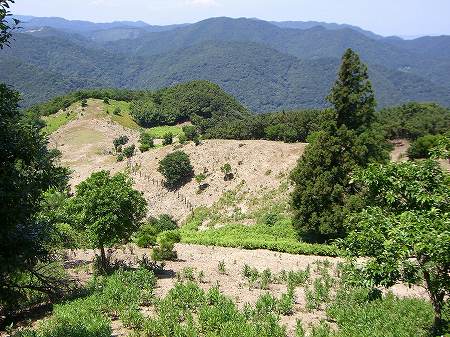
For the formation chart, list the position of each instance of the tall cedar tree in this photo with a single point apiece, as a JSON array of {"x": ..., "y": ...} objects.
[{"x": 323, "y": 192}]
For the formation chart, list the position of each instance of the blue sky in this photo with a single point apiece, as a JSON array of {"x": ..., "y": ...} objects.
[{"x": 385, "y": 17}]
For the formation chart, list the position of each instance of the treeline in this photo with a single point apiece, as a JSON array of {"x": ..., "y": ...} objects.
[
  {"x": 187, "y": 101},
  {"x": 218, "y": 115},
  {"x": 63, "y": 102},
  {"x": 290, "y": 126}
]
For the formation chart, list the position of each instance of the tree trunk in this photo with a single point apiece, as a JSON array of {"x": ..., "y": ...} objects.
[
  {"x": 437, "y": 300},
  {"x": 103, "y": 259}
]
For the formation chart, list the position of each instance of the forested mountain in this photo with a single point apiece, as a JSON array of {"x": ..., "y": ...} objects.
[{"x": 265, "y": 66}]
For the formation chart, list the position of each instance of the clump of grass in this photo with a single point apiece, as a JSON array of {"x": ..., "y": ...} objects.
[{"x": 221, "y": 267}]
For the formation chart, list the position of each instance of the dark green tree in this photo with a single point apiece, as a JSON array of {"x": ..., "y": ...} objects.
[
  {"x": 27, "y": 170},
  {"x": 176, "y": 168},
  {"x": 352, "y": 95},
  {"x": 323, "y": 192},
  {"x": 168, "y": 138},
  {"x": 108, "y": 209}
]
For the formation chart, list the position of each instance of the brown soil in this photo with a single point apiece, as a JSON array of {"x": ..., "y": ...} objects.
[{"x": 232, "y": 283}]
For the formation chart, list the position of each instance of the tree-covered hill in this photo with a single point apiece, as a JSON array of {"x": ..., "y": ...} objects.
[{"x": 266, "y": 67}]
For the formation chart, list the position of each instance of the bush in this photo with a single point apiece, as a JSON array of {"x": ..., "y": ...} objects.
[
  {"x": 119, "y": 141},
  {"x": 166, "y": 243},
  {"x": 420, "y": 148},
  {"x": 120, "y": 157},
  {"x": 146, "y": 142},
  {"x": 129, "y": 151},
  {"x": 168, "y": 138},
  {"x": 190, "y": 131},
  {"x": 226, "y": 170},
  {"x": 146, "y": 235},
  {"x": 117, "y": 111},
  {"x": 84, "y": 103},
  {"x": 176, "y": 168}
]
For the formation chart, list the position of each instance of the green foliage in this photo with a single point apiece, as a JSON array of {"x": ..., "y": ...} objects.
[
  {"x": 413, "y": 120},
  {"x": 323, "y": 194},
  {"x": 84, "y": 103},
  {"x": 120, "y": 294},
  {"x": 421, "y": 147},
  {"x": 176, "y": 168},
  {"x": 146, "y": 142},
  {"x": 167, "y": 139},
  {"x": 117, "y": 111},
  {"x": 147, "y": 234},
  {"x": 108, "y": 209},
  {"x": 352, "y": 95},
  {"x": 408, "y": 216},
  {"x": 273, "y": 126},
  {"x": 166, "y": 242},
  {"x": 227, "y": 171},
  {"x": 177, "y": 104},
  {"x": 356, "y": 314},
  {"x": 191, "y": 132},
  {"x": 28, "y": 169},
  {"x": 119, "y": 141},
  {"x": 190, "y": 311},
  {"x": 128, "y": 151}
]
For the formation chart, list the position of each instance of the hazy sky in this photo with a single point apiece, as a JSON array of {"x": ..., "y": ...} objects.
[{"x": 385, "y": 17}]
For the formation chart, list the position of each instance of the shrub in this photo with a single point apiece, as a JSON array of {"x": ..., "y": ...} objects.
[
  {"x": 106, "y": 100},
  {"x": 190, "y": 131},
  {"x": 168, "y": 138},
  {"x": 146, "y": 236},
  {"x": 119, "y": 141},
  {"x": 176, "y": 168},
  {"x": 146, "y": 142},
  {"x": 166, "y": 243},
  {"x": 226, "y": 170},
  {"x": 128, "y": 152},
  {"x": 120, "y": 157},
  {"x": 84, "y": 103},
  {"x": 117, "y": 111},
  {"x": 420, "y": 148}
]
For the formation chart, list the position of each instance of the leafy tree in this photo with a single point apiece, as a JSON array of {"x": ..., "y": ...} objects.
[
  {"x": 119, "y": 141},
  {"x": 28, "y": 169},
  {"x": 442, "y": 150},
  {"x": 406, "y": 228},
  {"x": 190, "y": 131},
  {"x": 128, "y": 152},
  {"x": 421, "y": 147},
  {"x": 146, "y": 142},
  {"x": 108, "y": 209},
  {"x": 147, "y": 234},
  {"x": 200, "y": 179},
  {"x": 413, "y": 120},
  {"x": 176, "y": 168},
  {"x": 84, "y": 103},
  {"x": 5, "y": 27},
  {"x": 106, "y": 100},
  {"x": 168, "y": 138},
  {"x": 166, "y": 242},
  {"x": 323, "y": 192}
]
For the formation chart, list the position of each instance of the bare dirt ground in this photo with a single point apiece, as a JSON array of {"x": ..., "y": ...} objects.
[
  {"x": 233, "y": 284},
  {"x": 86, "y": 147}
]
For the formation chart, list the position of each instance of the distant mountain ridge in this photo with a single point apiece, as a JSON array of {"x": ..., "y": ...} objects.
[{"x": 265, "y": 66}]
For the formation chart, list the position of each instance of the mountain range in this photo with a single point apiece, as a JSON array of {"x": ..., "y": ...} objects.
[{"x": 266, "y": 65}]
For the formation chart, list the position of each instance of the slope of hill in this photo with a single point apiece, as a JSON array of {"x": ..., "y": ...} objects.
[{"x": 265, "y": 66}]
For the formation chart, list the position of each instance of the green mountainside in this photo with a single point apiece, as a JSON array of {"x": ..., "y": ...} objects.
[{"x": 266, "y": 67}]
